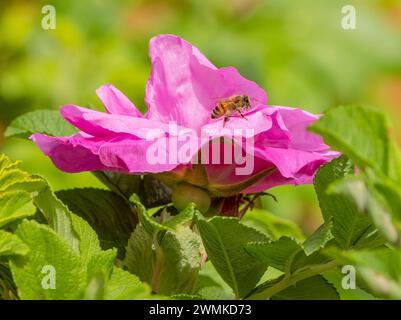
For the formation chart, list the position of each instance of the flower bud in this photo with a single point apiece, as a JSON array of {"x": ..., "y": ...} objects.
[{"x": 185, "y": 193}]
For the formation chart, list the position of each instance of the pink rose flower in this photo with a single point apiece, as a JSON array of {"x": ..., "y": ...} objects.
[{"x": 183, "y": 89}]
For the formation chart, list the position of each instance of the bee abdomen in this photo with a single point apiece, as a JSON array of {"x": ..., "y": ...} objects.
[{"x": 217, "y": 112}]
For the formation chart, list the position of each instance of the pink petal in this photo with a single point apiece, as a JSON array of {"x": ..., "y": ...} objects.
[
  {"x": 184, "y": 86},
  {"x": 116, "y": 102},
  {"x": 98, "y": 123},
  {"x": 297, "y": 121},
  {"x": 66, "y": 156},
  {"x": 284, "y": 144},
  {"x": 132, "y": 154}
]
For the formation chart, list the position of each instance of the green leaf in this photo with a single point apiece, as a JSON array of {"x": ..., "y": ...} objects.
[
  {"x": 101, "y": 264},
  {"x": 369, "y": 201},
  {"x": 17, "y": 188},
  {"x": 8, "y": 291},
  {"x": 92, "y": 264},
  {"x": 318, "y": 239},
  {"x": 151, "y": 191},
  {"x": 140, "y": 254},
  {"x": 277, "y": 254},
  {"x": 391, "y": 193},
  {"x": 96, "y": 261},
  {"x": 13, "y": 179},
  {"x": 58, "y": 216},
  {"x": 336, "y": 277},
  {"x": 106, "y": 212},
  {"x": 70, "y": 231},
  {"x": 288, "y": 255},
  {"x": 122, "y": 184},
  {"x": 359, "y": 132},
  {"x": 165, "y": 254},
  {"x": 150, "y": 225},
  {"x": 179, "y": 262},
  {"x": 170, "y": 264},
  {"x": 123, "y": 285},
  {"x": 379, "y": 269},
  {"x": 272, "y": 226},
  {"x": 15, "y": 205},
  {"x": 40, "y": 121},
  {"x": 184, "y": 296},
  {"x": 313, "y": 288},
  {"x": 211, "y": 286},
  {"x": 350, "y": 228},
  {"x": 88, "y": 240},
  {"x": 10, "y": 177},
  {"x": 6, "y": 163},
  {"x": 47, "y": 249},
  {"x": 11, "y": 245},
  {"x": 183, "y": 217},
  {"x": 224, "y": 240},
  {"x": 395, "y": 162},
  {"x": 95, "y": 288}
]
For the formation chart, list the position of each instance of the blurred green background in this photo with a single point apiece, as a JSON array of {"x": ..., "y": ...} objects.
[{"x": 296, "y": 50}]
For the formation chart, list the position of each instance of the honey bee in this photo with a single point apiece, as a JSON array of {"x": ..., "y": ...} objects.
[{"x": 227, "y": 106}]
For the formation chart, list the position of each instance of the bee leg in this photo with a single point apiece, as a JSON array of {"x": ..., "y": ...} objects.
[
  {"x": 225, "y": 120},
  {"x": 242, "y": 116},
  {"x": 226, "y": 117}
]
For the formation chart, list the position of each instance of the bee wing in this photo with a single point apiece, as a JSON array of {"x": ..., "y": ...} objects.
[
  {"x": 214, "y": 102},
  {"x": 216, "y": 99}
]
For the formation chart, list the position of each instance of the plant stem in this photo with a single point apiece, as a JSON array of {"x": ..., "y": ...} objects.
[{"x": 291, "y": 279}]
